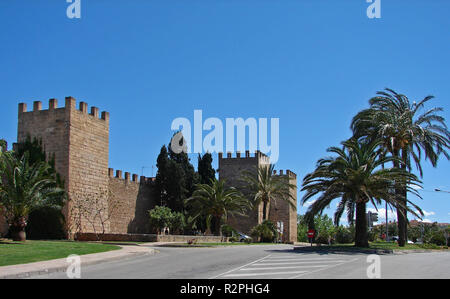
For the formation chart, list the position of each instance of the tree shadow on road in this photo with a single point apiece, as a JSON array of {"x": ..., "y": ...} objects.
[{"x": 328, "y": 250}]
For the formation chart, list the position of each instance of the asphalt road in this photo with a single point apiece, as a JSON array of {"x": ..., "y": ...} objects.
[{"x": 266, "y": 262}]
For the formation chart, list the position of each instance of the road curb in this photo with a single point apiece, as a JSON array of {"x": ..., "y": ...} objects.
[
  {"x": 342, "y": 250},
  {"x": 60, "y": 265}
]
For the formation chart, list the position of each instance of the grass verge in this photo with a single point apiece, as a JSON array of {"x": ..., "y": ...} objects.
[
  {"x": 13, "y": 253},
  {"x": 382, "y": 246}
]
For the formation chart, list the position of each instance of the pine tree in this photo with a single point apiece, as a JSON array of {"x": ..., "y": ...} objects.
[
  {"x": 175, "y": 179},
  {"x": 206, "y": 172}
]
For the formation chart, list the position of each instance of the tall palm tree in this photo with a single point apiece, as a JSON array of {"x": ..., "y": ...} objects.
[
  {"x": 265, "y": 187},
  {"x": 406, "y": 133},
  {"x": 25, "y": 187},
  {"x": 355, "y": 177},
  {"x": 216, "y": 202}
]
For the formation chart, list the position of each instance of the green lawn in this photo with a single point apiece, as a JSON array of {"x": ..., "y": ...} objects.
[
  {"x": 394, "y": 246},
  {"x": 385, "y": 246},
  {"x": 13, "y": 253}
]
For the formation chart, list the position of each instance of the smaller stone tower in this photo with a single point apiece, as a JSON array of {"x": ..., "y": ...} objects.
[
  {"x": 231, "y": 169},
  {"x": 282, "y": 211}
]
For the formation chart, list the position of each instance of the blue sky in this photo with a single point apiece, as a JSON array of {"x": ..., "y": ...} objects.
[{"x": 312, "y": 64}]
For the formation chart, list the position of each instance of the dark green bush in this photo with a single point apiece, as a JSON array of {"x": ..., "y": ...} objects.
[
  {"x": 46, "y": 223},
  {"x": 438, "y": 238},
  {"x": 233, "y": 239},
  {"x": 321, "y": 238},
  {"x": 343, "y": 235},
  {"x": 248, "y": 240},
  {"x": 265, "y": 232},
  {"x": 228, "y": 231}
]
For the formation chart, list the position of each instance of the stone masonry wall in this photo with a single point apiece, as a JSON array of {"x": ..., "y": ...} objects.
[
  {"x": 88, "y": 158},
  {"x": 129, "y": 202},
  {"x": 230, "y": 170},
  {"x": 80, "y": 143},
  {"x": 51, "y": 126},
  {"x": 282, "y": 210}
]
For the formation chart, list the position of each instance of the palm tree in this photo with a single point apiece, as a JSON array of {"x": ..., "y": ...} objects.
[
  {"x": 216, "y": 202},
  {"x": 23, "y": 188},
  {"x": 265, "y": 187},
  {"x": 405, "y": 133},
  {"x": 356, "y": 178}
]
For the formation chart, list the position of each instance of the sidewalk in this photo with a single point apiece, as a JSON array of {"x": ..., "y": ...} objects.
[{"x": 58, "y": 265}]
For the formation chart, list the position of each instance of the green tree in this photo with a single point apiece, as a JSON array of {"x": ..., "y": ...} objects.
[
  {"x": 407, "y": 134},
  {"x": 205, "y": 170},
  {"x": 324, "y": 228},
  {"x": 176, "y": 176},
  {"x": 160, "y": 217},
  {"x": 216, "y": 202},
  {"x": 354, "y": 176},
  {"x": 182, "y": 160},
  {"x": 3, "y": 146},
  {"x": 302, "y": 229},
  {"x": 323, "y": 225},
  {"x": 170, "y": 182},
  {"x": 177, "y": 223},
  {"x": 265, "y": 187},
  {"x": 36, "y": 153},
  {"x": 24, "y": 188}
]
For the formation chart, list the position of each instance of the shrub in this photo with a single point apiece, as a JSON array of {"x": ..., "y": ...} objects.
[
  {"x": 228, "y": 231},
  {"x": 265, "y": 232},
  {"x": 322, "y": 238},
  {"x": 438, "y": 238},
  {"x": 233, "y": 239},
  {"x": 343, "y": 235},
  {"x": 46, "y": 223},
  {"x": 372, "y": 236}
]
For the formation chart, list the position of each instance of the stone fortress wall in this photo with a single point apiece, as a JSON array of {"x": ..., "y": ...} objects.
[{"x": 79, "y": 142}]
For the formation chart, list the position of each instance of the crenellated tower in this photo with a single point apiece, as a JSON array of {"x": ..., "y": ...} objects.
[
  {"x": 231, "y": 169},
  {"x": 79, "y": 142}
]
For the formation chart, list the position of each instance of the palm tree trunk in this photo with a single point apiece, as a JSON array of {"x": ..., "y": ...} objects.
[
  {"x": 264, "y": 210},
  {"x": 217, "y": 225},
  {"x": 401, "y": 219},
  {"x": 401, "y": 212},
  {"x": 361, "y": 237}
]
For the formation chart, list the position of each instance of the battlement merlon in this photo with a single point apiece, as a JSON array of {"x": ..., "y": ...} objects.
[
  {"x": 129, "y": 177},
  {"x": 288, "y": 173},
  {"x": 257, "y": 154},
  {"x": 70, "y": 105}
]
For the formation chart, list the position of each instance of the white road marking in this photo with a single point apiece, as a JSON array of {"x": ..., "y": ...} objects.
[
  {"x": 285, "y": 267},
  {"x": 264, "y": 274},
  {"x": 241, "y": 267},
  {"x": 302, "y": 260},
  {"x": 297, "y": 276},
  {"x": 271, "y": 263},
  {"x": 295, "y": 263}
]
